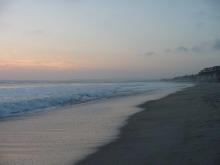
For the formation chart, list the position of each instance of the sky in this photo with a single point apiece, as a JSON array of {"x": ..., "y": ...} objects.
[{"x": 107, "y": 39}]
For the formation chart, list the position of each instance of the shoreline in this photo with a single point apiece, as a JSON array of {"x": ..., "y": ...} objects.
[
  {"x": 68, "y": 106},
  {"x": 69, "y": 134},
  {"x": 181, "y": 128}
]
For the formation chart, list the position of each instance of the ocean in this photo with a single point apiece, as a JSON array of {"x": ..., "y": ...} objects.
[{"x": 18, "y": 98}]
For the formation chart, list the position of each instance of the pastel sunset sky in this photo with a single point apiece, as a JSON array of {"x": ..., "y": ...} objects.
[{"x": 104, "y": 39}]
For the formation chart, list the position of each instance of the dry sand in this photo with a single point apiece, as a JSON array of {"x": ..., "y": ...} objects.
[
  {"x": 181, "y": 129},
  {"x": 62, "y": 137}
]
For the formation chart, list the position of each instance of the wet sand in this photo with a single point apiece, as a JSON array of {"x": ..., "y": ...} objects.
[
  {"x": 181, "y": 129},
  {"x": 64, "y": 136}
]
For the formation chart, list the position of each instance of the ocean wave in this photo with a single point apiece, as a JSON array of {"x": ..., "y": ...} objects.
[{"x": 19, "y": 99}]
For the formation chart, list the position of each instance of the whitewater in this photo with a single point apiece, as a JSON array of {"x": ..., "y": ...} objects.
[{"x": 17, "y": 98}]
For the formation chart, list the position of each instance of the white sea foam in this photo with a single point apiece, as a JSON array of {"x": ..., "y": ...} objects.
[{"x": 20, "y": 98}]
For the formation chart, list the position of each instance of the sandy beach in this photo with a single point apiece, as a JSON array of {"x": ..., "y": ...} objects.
[
  {"x": 183, "y": 129},
  {"x": 65, "y": 136}
]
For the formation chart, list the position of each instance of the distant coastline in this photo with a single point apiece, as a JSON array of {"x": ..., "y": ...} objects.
[{"x": 211, "y": 74}]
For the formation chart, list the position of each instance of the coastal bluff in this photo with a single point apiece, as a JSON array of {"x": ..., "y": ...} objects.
[{"x": 211, "y": 74}]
